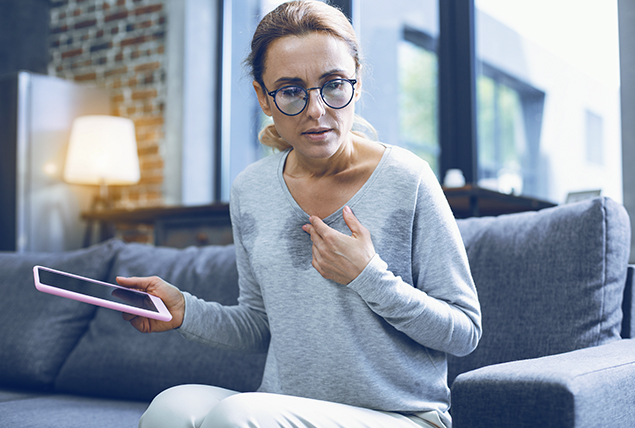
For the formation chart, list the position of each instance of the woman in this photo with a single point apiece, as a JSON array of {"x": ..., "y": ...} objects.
[{"x": 352, "y": 271}]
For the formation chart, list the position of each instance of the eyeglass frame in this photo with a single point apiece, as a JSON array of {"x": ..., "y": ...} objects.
[{"x": 273, "y": 94}]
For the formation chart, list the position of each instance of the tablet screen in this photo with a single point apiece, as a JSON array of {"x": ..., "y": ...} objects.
[{"x": 101, "y": 291}]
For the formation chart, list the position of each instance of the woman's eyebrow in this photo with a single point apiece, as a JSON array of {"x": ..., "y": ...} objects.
[
  {"x": 297, "y": 80},
  {"x": 334, "y": 71}
]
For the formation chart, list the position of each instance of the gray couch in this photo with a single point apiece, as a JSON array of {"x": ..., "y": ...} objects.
[{"x": 552, "y": 289}]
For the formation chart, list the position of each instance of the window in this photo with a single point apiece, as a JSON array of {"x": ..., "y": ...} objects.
[
  {"x": 548, "y": 97},
  {"x": 509, "y": 115},
  {"x": 418, "y": 96}
]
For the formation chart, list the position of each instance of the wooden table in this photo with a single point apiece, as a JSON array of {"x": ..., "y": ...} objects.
[
  {"x": 172, "y": 226},
  {"x": 474, "y": 201}
]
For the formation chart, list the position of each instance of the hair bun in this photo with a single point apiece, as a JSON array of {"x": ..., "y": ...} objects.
[{"x": 269, "y": 137}]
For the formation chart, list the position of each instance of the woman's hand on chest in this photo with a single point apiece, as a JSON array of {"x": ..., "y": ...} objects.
[{"x": 337, "y": 256}]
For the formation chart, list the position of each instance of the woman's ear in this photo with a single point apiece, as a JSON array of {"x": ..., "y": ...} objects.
[
  {"x": 358, "y": 85},
  {"x": 263, "y": 98},
  {"x": 358, "y": 90}
]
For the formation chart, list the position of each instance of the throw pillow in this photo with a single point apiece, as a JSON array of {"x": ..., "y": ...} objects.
[{"x": 39, "y": 330}]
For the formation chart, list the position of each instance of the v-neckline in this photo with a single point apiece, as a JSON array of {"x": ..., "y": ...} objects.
[{"x": 351, "y": 202}]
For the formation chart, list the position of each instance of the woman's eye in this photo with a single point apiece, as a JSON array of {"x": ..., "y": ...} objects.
[
  {"x": 291, "y": 92},
  {"x": 333, "y": 85}
]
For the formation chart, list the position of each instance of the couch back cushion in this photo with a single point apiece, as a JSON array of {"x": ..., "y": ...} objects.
[
  {"x": 113, "y": 359},
  {"x": 549, "y": 281},
  {"x": 39, "y": 330}
]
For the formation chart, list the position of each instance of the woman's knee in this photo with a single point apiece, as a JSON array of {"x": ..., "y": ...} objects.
[
  {"x": 183, "y": 406},
  {"x": 242, "y": 411}
]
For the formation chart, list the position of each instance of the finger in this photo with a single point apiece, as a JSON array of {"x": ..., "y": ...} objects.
[
  {"x": 318, "y": 261},
  {"x": 317, "y": 238},
  {"x": 318, "y": 225},
  {"x": 127, "y": 316},
  {"x": 142, "y": 324},
  {"x": 356, "y": 227},
  {"x": 139, "y": 323},
  {"x": 351, "y": 221},
  {"x": 132, "y": 282},
  {"x": 325, "y": 232},
  {"x": 139, "y": 283}
]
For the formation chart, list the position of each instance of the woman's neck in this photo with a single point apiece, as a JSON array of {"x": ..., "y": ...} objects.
[{"x": 343, "y": 159}]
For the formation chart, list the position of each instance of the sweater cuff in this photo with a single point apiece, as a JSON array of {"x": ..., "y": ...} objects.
[
  {"x": 187, "y": 316},
  {"x": 365, "y": 283}
]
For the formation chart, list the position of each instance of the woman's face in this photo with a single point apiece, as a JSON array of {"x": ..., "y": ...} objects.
[{"x": 309, "y": 61}]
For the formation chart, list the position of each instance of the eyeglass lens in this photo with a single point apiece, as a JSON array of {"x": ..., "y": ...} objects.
[{"x": 336, "y": 94}]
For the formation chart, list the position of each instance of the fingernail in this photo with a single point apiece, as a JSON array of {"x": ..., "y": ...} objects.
[{"x": 347, "y": 209}]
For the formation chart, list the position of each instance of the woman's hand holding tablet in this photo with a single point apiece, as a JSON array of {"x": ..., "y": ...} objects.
[
  {"x": 169, "y": 294},
  {"x": 150, "y": 304}
]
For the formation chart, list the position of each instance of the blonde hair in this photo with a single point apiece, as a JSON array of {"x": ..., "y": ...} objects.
[{"x": 299, "y": 18}]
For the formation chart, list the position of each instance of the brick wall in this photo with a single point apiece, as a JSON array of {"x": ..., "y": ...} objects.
[{"x": 119, "y": 45}]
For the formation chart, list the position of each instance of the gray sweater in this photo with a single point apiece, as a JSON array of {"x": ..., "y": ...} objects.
[{"x": 381, "y": 341}]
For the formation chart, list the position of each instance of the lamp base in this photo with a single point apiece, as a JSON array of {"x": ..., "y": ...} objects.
[{"x": 101, "y": 202}]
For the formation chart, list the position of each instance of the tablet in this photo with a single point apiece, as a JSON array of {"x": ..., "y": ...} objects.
[{"x": 99, "y": 293}]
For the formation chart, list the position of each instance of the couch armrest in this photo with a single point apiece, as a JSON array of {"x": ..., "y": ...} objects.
[{"x": 585, "y": 388}]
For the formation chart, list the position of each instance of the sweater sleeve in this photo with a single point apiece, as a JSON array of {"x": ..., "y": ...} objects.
[
  {"x": 440, "y": 310},
  {"x": 241, "y": 327}
]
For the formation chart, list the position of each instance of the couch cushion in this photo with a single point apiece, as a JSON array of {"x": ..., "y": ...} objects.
[
  {"x": 39, "y": 330},
  {"x": 64, "y": 411},
  {"x": 113, "y": 359},
  {"x": 549, "y": 281}
]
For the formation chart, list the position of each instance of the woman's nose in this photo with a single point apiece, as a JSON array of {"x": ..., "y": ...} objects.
[{"x": 316, "y": 107}]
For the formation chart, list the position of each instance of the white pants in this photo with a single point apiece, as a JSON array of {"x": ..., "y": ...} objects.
[{"x": 202, "y": 406}]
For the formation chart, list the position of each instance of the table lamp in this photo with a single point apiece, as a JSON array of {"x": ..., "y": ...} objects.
[{"x": 102, "y": 151}]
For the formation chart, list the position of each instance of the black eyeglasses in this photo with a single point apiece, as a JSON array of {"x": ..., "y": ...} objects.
[{"x": 292, "y": 100}]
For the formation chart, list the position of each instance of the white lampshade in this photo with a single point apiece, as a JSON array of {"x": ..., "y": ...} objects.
[{"x": 102, "y": 150}]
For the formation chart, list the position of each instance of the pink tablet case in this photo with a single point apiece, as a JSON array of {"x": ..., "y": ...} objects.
[{"x": 162, "y": 315}]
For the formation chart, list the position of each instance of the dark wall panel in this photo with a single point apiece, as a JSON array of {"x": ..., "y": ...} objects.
[{"x": 24, "y": 29}]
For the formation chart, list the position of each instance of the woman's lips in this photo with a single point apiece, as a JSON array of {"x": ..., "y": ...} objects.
[
  {"x": 316, "y": 131},
  {"x": 316, "y": 134}
]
